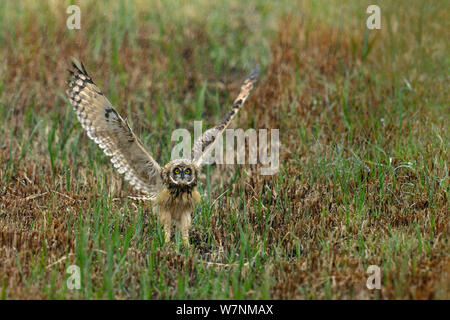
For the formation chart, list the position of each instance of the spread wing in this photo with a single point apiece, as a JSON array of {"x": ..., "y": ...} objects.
[
  {"x": 206, "y": 141},
  {"x": 107, "y": 128}
]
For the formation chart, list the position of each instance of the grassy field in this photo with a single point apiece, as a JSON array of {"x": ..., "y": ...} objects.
[{"x": 363, "y": 118}]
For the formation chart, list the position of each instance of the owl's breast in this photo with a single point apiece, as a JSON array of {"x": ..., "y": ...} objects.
[{"x": 178, "y": 201}]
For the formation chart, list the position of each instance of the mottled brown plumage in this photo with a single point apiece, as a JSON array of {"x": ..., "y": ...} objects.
[
  {"x": 107, "y": 128},
  {"x": 173, "y": 187},
  {"x": 178, "y": 198}
]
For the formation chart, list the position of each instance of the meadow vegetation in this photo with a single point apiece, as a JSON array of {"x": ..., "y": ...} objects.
[{"x": 363, "y": 180}]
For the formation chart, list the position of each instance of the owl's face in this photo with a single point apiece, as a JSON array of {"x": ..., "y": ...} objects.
[{"x": 180, "y": 173}]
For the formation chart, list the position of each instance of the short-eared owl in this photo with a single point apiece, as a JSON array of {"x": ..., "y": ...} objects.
[{"x": 173, "y": 187}]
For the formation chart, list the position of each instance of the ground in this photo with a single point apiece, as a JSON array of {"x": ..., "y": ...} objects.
[{"x": 363, "y": 180}]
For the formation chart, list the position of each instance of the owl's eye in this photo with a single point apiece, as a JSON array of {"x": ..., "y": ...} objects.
[
  {"x": 176, "y": 171},
  {"x": 188, "y": 171}
]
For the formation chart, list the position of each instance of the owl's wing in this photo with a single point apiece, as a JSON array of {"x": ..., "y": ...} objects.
[
  {"x": 107, "y": 128},
  {"x": 206, "y": 141}
]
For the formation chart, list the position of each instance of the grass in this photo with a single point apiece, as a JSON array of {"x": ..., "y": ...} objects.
[{"x": 363, "y": 180}]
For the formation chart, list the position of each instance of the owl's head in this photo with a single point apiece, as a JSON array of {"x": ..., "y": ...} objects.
[{"x": 180, "y": 174}]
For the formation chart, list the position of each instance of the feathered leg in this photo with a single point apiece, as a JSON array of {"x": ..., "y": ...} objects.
[{"x": 165, "y": 219}]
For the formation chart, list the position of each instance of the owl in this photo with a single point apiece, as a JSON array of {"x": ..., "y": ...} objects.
[{"x": 173, "y": 187}]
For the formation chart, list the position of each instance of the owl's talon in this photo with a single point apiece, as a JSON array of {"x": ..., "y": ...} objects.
[{"x": 186, "y": 242}]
